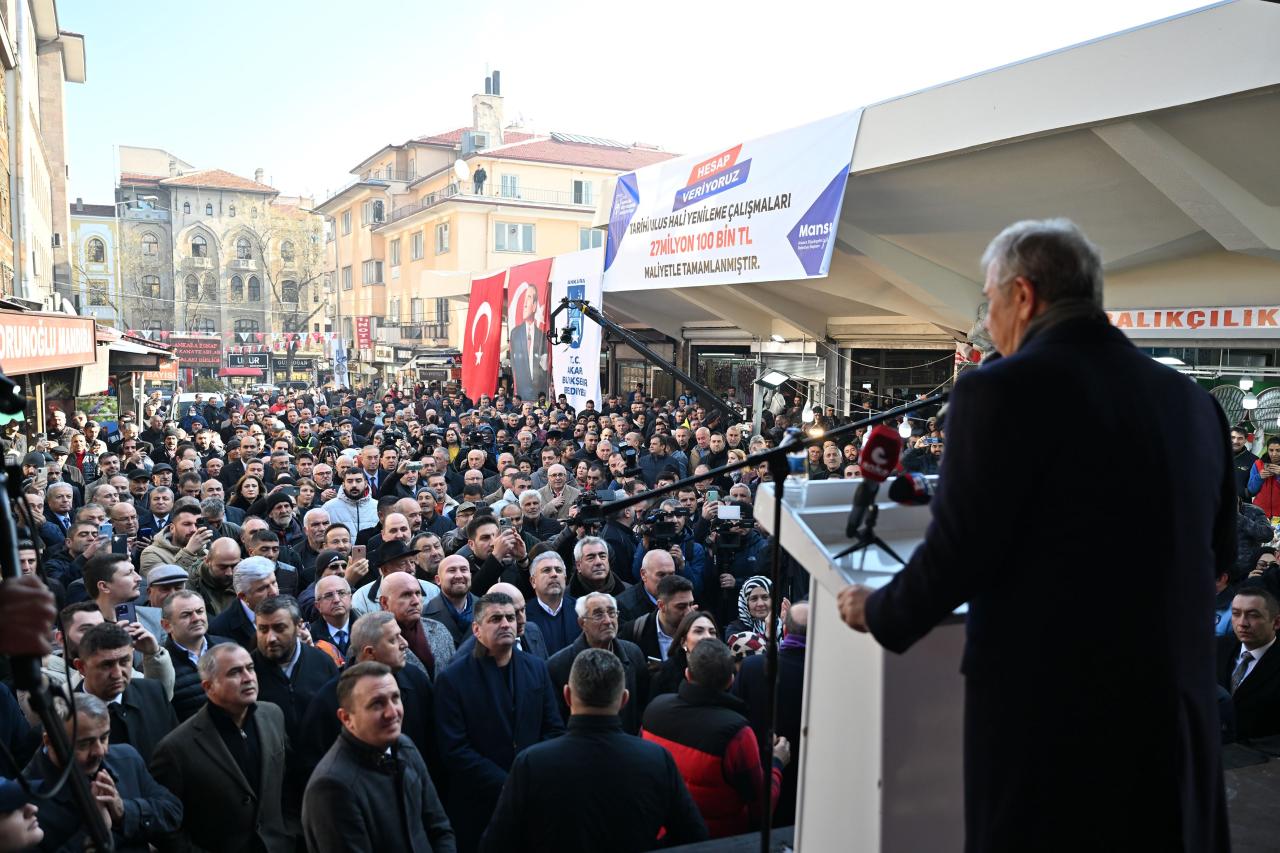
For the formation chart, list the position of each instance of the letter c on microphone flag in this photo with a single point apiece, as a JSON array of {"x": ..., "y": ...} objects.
[{"x": 482, "y": 336}]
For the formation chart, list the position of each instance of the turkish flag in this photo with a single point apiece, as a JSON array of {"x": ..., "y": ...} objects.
[{"x": 482, "y": 335}]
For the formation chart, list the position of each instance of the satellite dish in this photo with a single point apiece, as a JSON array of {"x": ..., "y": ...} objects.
[{"x": 461, "y": 169}]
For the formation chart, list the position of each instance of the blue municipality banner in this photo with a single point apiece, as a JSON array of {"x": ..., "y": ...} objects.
[{"x": 763, "y": 210}]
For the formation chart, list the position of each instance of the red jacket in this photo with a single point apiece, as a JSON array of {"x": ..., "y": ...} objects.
[
  {"x": 716, "y": 751},
  {"x": 1268, "y": 497}
]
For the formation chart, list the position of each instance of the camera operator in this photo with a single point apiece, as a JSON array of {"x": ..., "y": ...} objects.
[
  {"x": 667, "y": 529},
  {"x": 738, "y": 546}
]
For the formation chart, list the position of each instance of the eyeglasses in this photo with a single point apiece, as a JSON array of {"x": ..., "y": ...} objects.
[
  {"x": 337, "y": 593},
  {"x": 1262, "y": 564},
  {"x": 602, "y": 615}
]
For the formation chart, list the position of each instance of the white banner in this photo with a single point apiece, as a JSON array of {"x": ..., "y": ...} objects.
[
  {"x": 1256, "y": 321},
  {"x": 338, "y": 352},
  {"x": 763, "y": 210},
  {"x": 575, "y": 367}
]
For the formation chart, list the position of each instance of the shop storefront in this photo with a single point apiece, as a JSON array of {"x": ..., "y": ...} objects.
[{"x": 54, "y": 358}]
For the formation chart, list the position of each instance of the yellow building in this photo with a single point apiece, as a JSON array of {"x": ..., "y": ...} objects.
[{"x": 421, "y": 218}]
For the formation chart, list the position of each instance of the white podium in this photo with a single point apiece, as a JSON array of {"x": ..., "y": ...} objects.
[{"x": 881, "y": 746}]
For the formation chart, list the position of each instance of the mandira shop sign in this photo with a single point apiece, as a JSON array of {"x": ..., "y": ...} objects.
[{"x": 1257, "y": 321}]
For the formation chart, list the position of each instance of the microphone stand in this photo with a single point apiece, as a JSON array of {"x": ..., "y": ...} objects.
[
  {"x": 776, "y": 459},
  {"x": 867, "y": 537},
  {"x": 27, "y": 676}
]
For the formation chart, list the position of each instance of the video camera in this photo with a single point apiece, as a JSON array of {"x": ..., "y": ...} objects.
[
  {"x": 588, "y": 515},
  {"x": 476, "y": 439},
  {"x": 661, "y": 528},
  {"x": 732, "y": 525}
]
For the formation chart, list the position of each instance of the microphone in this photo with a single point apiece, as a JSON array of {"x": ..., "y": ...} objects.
[
  {"x": 911, "y": 490},
  {"x": 878, "y": 460}
]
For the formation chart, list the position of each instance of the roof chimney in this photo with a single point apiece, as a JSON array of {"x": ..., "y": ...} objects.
[
  {"x": 488, "y": 85},
  {"x": 173, "y": 167},
  {"x": 79, "y": 203},
  {"x": 497, "y": 82},
  {"x": 257, "y": 175},
  {"x": 486, "y": 111}
]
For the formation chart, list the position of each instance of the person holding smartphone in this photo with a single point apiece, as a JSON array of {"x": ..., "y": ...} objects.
[{"x": 1264, "y": 479}]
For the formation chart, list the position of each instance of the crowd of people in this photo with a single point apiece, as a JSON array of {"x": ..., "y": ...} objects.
[{"x": 405, "y": 620}]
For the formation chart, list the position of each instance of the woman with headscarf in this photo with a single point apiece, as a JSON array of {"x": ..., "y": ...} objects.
[{"x": 754, "y": 603}]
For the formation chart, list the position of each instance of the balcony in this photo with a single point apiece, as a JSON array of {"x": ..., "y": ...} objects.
[
  {"x": 243, "y": 264},
  {"x": 200, "y": 263},
  {"x": 387, "y": 175},
  {"x": 532, "y": 196},
  {"x": 144, "y": 214},
  {"x": 423, "y": 330}
]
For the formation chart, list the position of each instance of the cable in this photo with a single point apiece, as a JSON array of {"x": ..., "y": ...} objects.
[{"x": 836, "y": 351}]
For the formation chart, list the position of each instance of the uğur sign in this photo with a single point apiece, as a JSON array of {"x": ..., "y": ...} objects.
[{"x": 1258, "y": 321}]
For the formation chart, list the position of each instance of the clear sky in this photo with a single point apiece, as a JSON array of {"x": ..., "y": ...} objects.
[{"x": 307, "y": 89}]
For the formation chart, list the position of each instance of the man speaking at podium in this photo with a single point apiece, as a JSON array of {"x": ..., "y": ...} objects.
[{"x": 1080, "y": 734}]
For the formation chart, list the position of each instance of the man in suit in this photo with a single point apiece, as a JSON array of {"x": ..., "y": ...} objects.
[
  {"x": 490, "y": 705},
  {"x": 290, "y": 672},
  {"x": 187, "y": 624},
  {"x": 140, "y": 711},
  {"x": 254, "y": 580},
  {"x": 139, "y": 810},
  {"x": 376, "y": 637},
  {"x": 333, "y": 602},
  {"x": 642, "y": 598},
  {"x": 529, "y": 349},
  {"x": 529, "y": 636},
  {"x": 226, "y": 763},
  {"x": 529, "y": 814},
  {"x": 372, "y": 790},
  {"x": 654, "y": 631},
  {"x": 598, "y": 616},
  {"x": 1246, "y": 666},
  {"x": 1040, "y": 717},
  {"x": 552, "y": 610},
  {"x": 557, "y": 496}
]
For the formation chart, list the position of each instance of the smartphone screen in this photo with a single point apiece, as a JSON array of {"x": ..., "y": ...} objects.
[
  {"x": 729, "y": 513},
  {"x": 120, "y": 544},
  {"x": 358, "y": 552}
]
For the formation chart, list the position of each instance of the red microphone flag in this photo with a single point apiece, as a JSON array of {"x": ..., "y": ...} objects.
[
  {"x": 879, "y": 457},
  {"x": 482, "y": 335}
]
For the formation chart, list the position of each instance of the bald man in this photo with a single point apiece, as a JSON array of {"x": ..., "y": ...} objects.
[
  {"x": 430, "y": 643},
  {"x": 394, "y": 557},
  {"x": 528, "y": 635}
]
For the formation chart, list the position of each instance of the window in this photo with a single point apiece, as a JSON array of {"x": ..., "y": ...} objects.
[
  {"x": 395, "y": 252},
  {"x": 237, "y": 289},
  {"x": 346, "y": 222},
  {"x": 243, "y": 326},
  {"x": 372, "y": 272},
  {"x": 442, "y": 238},
  {"x": 98, "y": 292},
  {"x": 153, "y": 325},
  {"x": 415, "y": 246},
  {"x": 199, "y": 247},
  {"x": 315, "y": 293},
  {"x": 186, "y": 207},
  {"x": 210, "y": 287},
  {"x": 151, "y": 286},
  {"x": 150, "y": 245},
  {"x": 208, "y": 209},
  {"x": 289, "y": 291},
  {"x": 346, "y": 278},
  {"x": 393, "y": 310},
  {"x": 415, "y": 311},
  {"x": 192, "y": 287},
  {"x": 96, "y": 251},
  {"x": 590, "y": 238},
  {"x": 244, "y": 251},
  {"x": 231, "y": 210},
  {"x": 513, "y": 237},
  {"x": 511, "y": 186},
  {"x": 582, "y": 192},
  {"x": 372, "y": 212},
  {"x": 286, "y": 252},
  {"x": 442, "y": 310},
  {"x": 200, "y": 324},
  {"x": 255, "y": 289},
  {"x": 253, "y": 211}
]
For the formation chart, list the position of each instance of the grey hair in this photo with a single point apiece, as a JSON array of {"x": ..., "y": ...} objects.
[
  {"x": 528, "y": 492},
  {"x": 208, "y": 663},
  {"x": 597, "y": 678},
  {"x": 1053, "y": 253},
  {"x": 251, "y": 570},
  {"x": 543, "y": 557},
  {"x": 580, "y": 606},
  {"x": 584, "y": 542},
  {"x": 61, "y": 484},
  {"x": 212, "y": 508},
  {"x": 313, "y": 513},
  {"x": 367, "y": 630}
]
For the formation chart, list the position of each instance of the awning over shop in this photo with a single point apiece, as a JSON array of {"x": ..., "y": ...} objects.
[
  {"x": 251, "y": 372},
  {"x": 130, "y": 354}
]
